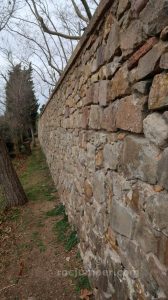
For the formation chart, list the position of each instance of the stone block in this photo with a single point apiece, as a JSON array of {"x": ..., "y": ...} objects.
[
  {"x": 99, "y": 187},
  {"x": 142, "y": 87},
  {"x": 132, "y": 37},
  {"x": 108, "y": 121},
  {"x": 111, "y": 154},
  {"x": 144, "y": 235},
  {"x": 100, "y": 56},
  {"x": 95, "y": 117},
  {"x": 149, "y": 62},
  {"x": 138, "y": 6},
  {"x": 156, "y": 209},
  {"x": 99, "y": 159},
  {"x": 119, "y": 85},
  {"x": 95, "y": 77},
  {"x": 88, "y": 190},
  {"x": 164, "y": 34},
  {"x": 113, "y": 41},
  {"x": 103, "y": 72},
  {"x": 90, "y": 157},
  {"x": 102, "y": 95},
  {"x": 162, "y": 172},
  {"x": 92, "y": 94},
  {"x": 165, "y": 116},
  {"x": 85, "y": 117},
  {"x": 154, "y": 17},
  {"x": 164, "y": 61},
  {"x": 139, "y": 159},
  {"x": 67, "y": 112},
  {"x": 94, "y": 66},
  {"x": 112, "y": 67},
  {"x": 122, "y": 6},
  {"x": 122, "y": 219},
  {"x": 158, "y": 97},
  {"x": 107, "y": 26},
  {"x": 156, "y": 129},
  {"x": 89, "y": 95},
  {"x": 159, "y": 273},
  {"x": 130, "y": 114}
]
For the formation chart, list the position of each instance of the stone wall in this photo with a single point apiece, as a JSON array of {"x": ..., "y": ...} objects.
[{"x": 104, "y": 132}]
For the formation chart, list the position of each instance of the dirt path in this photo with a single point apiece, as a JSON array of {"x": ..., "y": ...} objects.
[{"x": 33, "y": 263}]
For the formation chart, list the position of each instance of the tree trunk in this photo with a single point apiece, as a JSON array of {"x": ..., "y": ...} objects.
[
  {"x": 16, "y": 146},
  {"x": 13, "y": 189},
  {"x": 33, "y": 137}
]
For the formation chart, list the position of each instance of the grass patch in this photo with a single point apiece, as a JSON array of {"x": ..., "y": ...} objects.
[
  {"x": 82, "y": 282},
  {"x": 62, "y": 228},
  {"x": 38, "y": 242},
  {"x": 14, "y": 214},
  {"x": 71, "y": 241},
  {"x": 36, "y": 179},
  {"x": 57, "y": 211}
]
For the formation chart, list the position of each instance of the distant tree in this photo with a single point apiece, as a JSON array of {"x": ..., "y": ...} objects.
[
  {"x": 21, "y": 104},
  {"x": 42, "y": 108}
]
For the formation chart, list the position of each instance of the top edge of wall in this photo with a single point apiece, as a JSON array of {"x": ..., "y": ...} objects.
[{"x": 101, "y": 9}]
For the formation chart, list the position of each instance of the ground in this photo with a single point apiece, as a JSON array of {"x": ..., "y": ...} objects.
[{"x": 37, "y": 244}]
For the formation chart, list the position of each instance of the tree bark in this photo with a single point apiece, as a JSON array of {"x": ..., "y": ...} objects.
[
  {"x": 13, "y": 189},
  {"x": 33, "y": 137},
  {"x": 16, "y": 145}
]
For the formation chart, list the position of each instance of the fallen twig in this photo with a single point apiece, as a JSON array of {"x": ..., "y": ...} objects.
[{"x": 7, "y": 287}]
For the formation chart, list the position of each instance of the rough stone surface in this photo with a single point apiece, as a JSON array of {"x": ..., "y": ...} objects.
[
  {"x": 164, "y": 61},
  {"x": 95, "y": 117},
  {"x": 122, "y": 6},
  {"x": 132, "y": 37},
  {"x": 148, "y": 63},
  {"x": 109, "y": 118},
  {"x": 138, "y": 6},
  {"x": 113, "y": 41},
  {"x": 154, "y": 17},
  {"x": 142, "y": 87},
  {"x": 102, "y": 98},
  {"x": 119, "y": 85},
  {"x": 156, "y": 129},
  {"x": 113, "y": 66},
  {"x": 130, "y": 114},
  {"x": 141, "y": 161},
  {"x": 104, "y": 133},
  {"x": 111, "y": 155},
  {"x": 156, "y": 208},
  {"x": 162, "y": 172},
  {"x": 158, "y": 96},
  {"x": 122, "y": 220},
  {"x": 159, "y": 273}
]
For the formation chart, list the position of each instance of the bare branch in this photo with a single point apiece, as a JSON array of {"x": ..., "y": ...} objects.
[
  {"x": 5, "y": 19},
  {"x": 78, "y": 12},
  {"x": 49, "y": 31},
  {"x": 87, "y": 9}
]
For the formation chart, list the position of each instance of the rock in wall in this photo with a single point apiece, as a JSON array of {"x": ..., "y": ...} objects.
[{"x": 104, "y": 132}]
